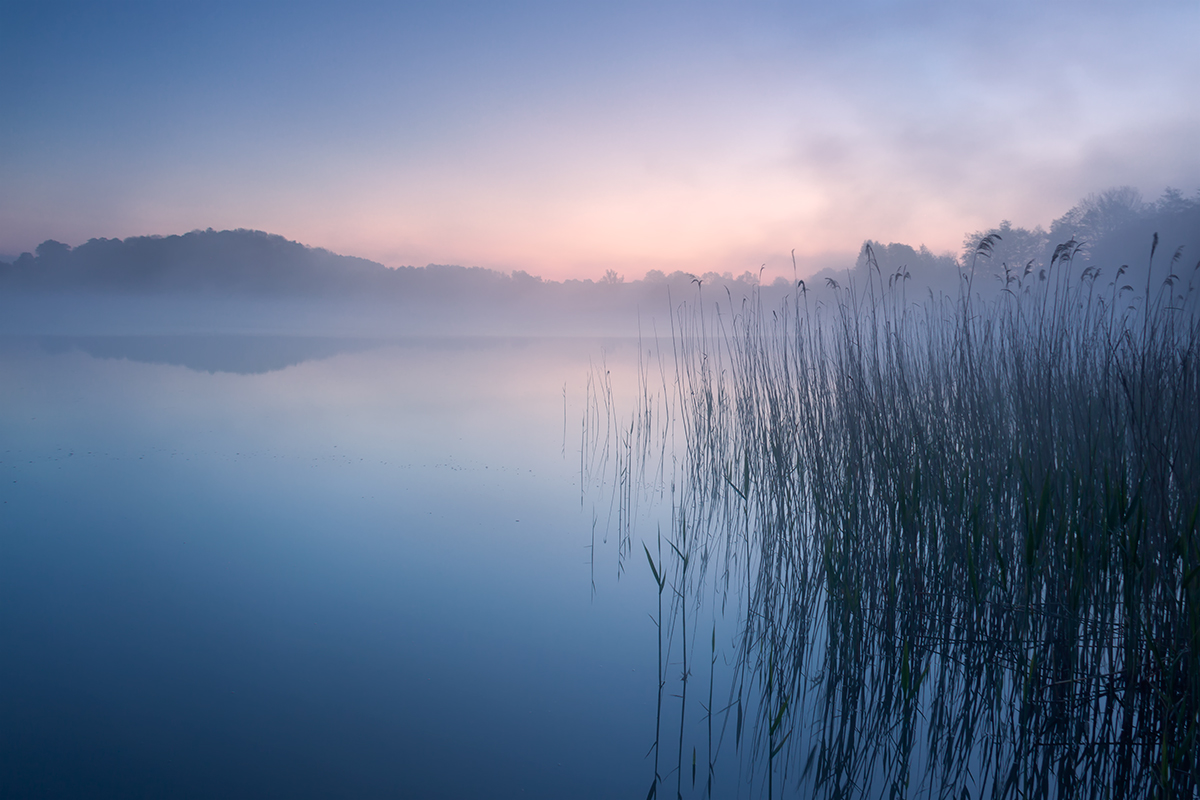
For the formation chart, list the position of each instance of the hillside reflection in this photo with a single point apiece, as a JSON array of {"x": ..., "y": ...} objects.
[{"x": 240, "y": 354}]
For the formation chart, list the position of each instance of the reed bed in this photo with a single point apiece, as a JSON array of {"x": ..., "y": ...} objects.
[{"x": 959, "y": 539}]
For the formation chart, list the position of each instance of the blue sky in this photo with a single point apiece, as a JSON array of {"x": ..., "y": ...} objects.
[{"x": 568, "y": 139}]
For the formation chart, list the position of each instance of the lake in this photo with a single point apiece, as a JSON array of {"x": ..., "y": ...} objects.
[
  {"x": 296, "y": 566},
  {"x": 302, "y": 567}
]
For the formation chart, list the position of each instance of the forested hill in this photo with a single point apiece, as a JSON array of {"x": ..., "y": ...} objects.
[
  {"x": 221, "y": 262},
  {"x": 1107, "y": 231},
  {"x": 257, "y": 265}
]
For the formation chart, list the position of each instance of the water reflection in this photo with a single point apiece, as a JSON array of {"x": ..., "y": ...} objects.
[
  {"x": 241, "y": 354},
  {"x": 364, "y": 575},
  {"x": 950, "y": 552}
]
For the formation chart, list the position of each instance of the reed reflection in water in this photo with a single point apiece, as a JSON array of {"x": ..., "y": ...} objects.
[{"x": 945, "y": 550}]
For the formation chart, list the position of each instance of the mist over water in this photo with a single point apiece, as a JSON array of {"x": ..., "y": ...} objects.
[
  {"x": 251, "y": 282},
  {"x": 276, "y": 522}
]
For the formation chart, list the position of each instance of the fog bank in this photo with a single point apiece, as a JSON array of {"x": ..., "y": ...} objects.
[{"x": 251, "y": 282}]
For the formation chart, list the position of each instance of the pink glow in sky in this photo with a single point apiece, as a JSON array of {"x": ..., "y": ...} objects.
[{"x": 565, "y": 142}]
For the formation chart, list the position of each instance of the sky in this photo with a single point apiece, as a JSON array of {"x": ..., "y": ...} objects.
[{"x": 565, "y": 139}]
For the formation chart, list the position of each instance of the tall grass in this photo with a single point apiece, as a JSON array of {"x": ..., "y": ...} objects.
[{"x": 961, "y": 538}]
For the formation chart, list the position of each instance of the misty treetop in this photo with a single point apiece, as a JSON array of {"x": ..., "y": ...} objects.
[{"x": 1113, "y": 228}]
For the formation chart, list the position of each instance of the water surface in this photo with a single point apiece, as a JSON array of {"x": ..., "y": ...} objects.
[{"x": 236, "y": 567}]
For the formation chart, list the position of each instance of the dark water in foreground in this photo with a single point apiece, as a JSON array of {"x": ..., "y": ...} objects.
[{"x": 232, "y": 569}]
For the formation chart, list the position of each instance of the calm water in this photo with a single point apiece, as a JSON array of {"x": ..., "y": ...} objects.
[{"x": 255, "y": 567}]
